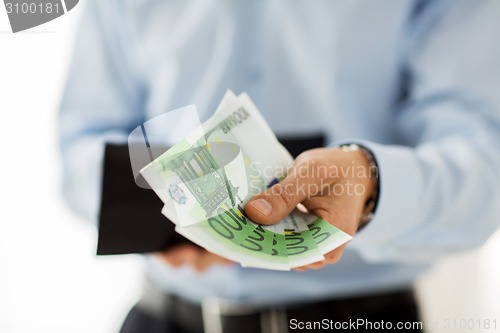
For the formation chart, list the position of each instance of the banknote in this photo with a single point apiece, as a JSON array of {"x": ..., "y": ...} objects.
[{"x": 206, "y": 179}]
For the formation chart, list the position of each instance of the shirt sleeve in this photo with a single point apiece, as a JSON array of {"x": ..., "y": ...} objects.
[
  {"x": 440, "y": 189},
  {"x": 101, "y": 103}
]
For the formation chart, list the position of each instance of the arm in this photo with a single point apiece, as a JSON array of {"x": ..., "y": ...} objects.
[
  {"x": 102, "y": 103},
  {"x": 448, "y": 173},
  {"x": 440, "y": 192}
]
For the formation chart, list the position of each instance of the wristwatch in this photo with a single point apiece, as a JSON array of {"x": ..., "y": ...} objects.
[{"x": 372, "y": 202}]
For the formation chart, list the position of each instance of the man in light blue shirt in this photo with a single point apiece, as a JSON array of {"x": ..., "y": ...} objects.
[{"x": 415, "y": 82}]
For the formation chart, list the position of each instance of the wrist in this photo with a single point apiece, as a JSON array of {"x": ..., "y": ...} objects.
[{"x": 369, "y": 178}]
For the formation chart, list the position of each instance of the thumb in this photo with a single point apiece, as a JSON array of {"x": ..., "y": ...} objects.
[{"x": 278, "y": 201}]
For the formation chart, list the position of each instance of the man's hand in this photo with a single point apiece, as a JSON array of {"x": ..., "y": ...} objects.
[
  {"x": 192, "y": 255},
  {"x": 331, "y": 183}
]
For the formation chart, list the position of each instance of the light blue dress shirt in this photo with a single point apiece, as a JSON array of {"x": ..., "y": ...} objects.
[{"x": 418, "y": 82}]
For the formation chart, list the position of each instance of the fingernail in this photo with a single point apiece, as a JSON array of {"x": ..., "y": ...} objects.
[{"x": 263, "y": 206}]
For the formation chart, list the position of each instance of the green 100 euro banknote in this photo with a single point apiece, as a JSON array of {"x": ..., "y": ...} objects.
[{"x": 205, "y": 180}]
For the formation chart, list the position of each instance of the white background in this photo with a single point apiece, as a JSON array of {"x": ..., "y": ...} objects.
[{"x": 50, "y": 280}]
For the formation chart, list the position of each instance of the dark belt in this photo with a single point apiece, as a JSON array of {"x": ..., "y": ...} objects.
[{"x": 221, "y": 316}]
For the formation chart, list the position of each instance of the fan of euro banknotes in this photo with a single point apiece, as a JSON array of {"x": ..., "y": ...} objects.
[{"x": 206, "y": 179}]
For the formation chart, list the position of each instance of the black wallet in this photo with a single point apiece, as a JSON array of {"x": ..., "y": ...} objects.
[{"x": 130, "y": 219}]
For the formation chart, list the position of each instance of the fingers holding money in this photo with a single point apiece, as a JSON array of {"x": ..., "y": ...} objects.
[
  {"x": 191, "y": 255},
  {"x": 328, "y": 184},
  {"x": 304, "y": 181},
  {"x": 202, "y": 193}
]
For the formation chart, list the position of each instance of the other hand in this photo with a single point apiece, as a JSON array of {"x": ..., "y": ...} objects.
[{"x": 192, "y": 255}]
